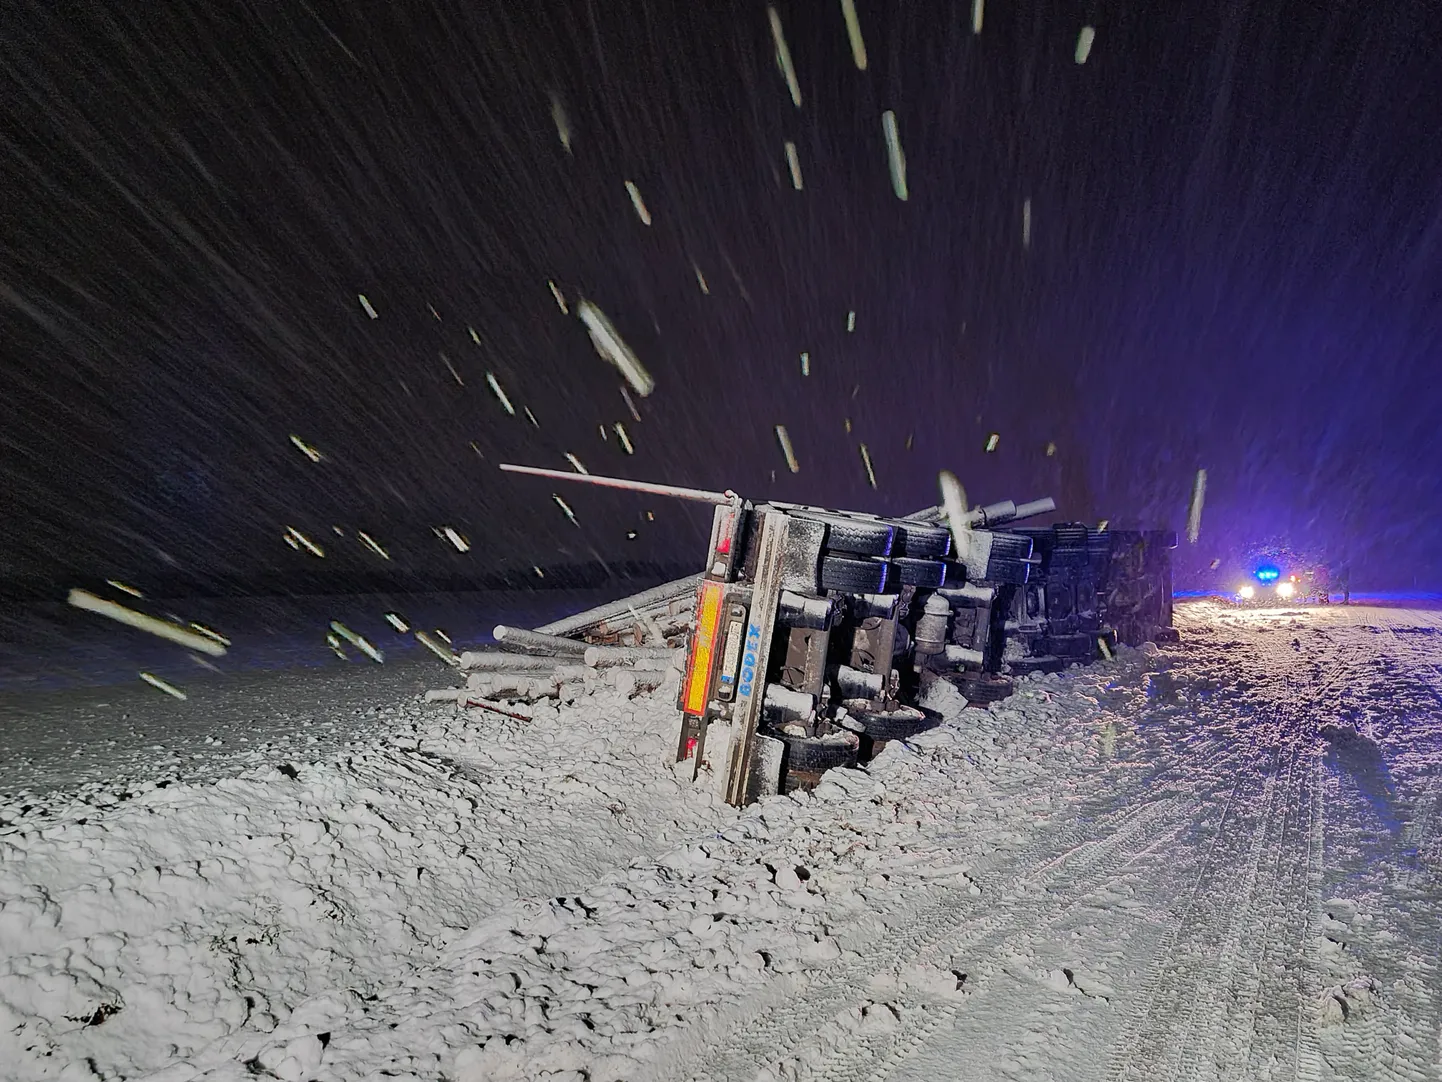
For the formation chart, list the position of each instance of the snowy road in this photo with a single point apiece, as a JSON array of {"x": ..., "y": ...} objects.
[{"x": 1214, "y": 861}]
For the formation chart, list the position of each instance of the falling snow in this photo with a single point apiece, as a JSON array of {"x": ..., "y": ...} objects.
[
  {"x": 1174, "y": 249},
  {"x": 784, "y": 439}
]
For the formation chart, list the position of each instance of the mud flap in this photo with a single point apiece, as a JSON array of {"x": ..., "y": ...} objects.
[{"x": 720, "y": 749}]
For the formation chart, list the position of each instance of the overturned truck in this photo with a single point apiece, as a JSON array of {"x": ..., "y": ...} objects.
[{"x": 812, "y": 635}]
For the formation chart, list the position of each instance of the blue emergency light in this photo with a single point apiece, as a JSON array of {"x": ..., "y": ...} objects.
[{"x": 1268, "y": 573}]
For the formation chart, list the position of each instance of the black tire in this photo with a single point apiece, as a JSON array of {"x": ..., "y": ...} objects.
[
  {"x": 1010, "y": 546},
  {"x": 900, "y": 724},
  {"x": 811, "y": 755},
  {"x": 1007, "y": 571},
  {"x": 930, "y": 574},
  {"x": 920, "y": 541},
  {"x": 980, "y": 688},
  {"x": 853, "y": 575},
  {"x": 856, "y": 536}
]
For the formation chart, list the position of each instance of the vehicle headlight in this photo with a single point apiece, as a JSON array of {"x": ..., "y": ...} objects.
[
  {"x": 1286, "y": 589},
  {"x": 1246, "y": 593}
]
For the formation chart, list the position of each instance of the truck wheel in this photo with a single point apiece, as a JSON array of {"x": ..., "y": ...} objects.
[
  {"x": 1011, "y": 546},
  {"x": 920, "y": 540},
  {"x": 902, "y": 723},
  {"x": 853, "y": 575},
  {"x": 811, "y": 755},
  {"x": 980, "y": 688},
  {"x": 929, "y": 574},
  {"x": 859, "y": 536},
  {"x": 1007, "y": 570}
]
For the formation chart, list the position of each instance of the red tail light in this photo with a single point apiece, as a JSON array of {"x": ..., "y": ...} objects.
[{"x": 723, "y": 543}]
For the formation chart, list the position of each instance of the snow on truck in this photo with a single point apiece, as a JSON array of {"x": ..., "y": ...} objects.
[{"x": 812, "y": 634}]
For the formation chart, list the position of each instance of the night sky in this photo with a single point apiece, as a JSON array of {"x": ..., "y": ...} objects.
[{"x": 1234, "y": 262}]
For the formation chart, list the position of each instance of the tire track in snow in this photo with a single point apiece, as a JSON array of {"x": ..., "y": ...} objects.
[
  {"x": 1258, "y": 889},
  {"x": 870, "y": 1057},
  {"x": 1175, "y": 990},
  {"x": 1197, "y": 767},
  {"x": 1390, "y": 1041},
  {"x": 1281, "y": 1007},
  {"x": 1309, "y": 1058},
  {"x": 772, "y": 1027},
  {"x": 1275, "y": 1018},
  {"x": 874, "y": 1055},
  {"x": 1398, "y": 1039}
]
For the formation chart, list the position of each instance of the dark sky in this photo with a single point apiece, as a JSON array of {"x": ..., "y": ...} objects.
[{"x": 1234, "y": 263}]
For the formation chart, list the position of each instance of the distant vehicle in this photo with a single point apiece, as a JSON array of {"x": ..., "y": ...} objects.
[{"x": 1276, "y": 578}]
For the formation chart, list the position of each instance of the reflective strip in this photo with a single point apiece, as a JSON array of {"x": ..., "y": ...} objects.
[{"x": 703, "y": 649}]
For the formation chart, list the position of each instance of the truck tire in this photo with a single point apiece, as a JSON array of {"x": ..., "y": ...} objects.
[
  {"x": 980, "y": 688},
  {"x": 902, "y": 723},
  {"x": 929, "y": 574},
  {"x": 855, "y": 536},
  {"x": 920, "y": 541},
  {"x": 1012, "y": 546},
  {"x": 1006, "y": 570},
  {"x": 811, "y": 755},
  {"x": 853, "y": 575}
]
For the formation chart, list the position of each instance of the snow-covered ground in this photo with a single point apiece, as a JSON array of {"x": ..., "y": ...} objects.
[
  {"x": 1217, "y": 860},
  {"x": 73, "y": 708}
]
